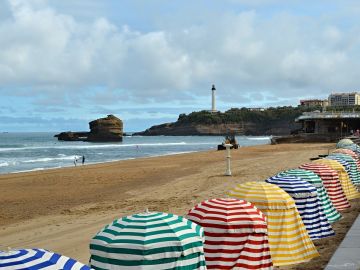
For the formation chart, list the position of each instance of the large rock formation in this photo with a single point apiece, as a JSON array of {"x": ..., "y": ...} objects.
[{"x": 108, "y": 129}]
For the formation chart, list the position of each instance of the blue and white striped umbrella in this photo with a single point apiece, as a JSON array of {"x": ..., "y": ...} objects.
[
  {"x": 307, "y": 203},
  {"x": 33, "y": 259}
]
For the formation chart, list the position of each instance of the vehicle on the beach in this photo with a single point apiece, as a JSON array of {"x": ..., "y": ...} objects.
[{"x": 229, "y": 139}]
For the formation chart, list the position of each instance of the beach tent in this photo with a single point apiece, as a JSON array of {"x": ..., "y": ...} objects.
[
  {"x": 349, "y": 164},
  {"x": 348, "y": 152},
  {"x": 354, "y": 147},
  {"x": 330, "y": 179},
  {"x": 348, "y": 187},
  {"x": 235, "y": 234},
  {"x": 31, "y": 259},
  {"x": 329, "y": 210},
  {"x": 150, "y": 240},
  {"x": 307, "y": 203},
  {"x": 288, "y": 239},
  {"x": 344, "y": 142}
]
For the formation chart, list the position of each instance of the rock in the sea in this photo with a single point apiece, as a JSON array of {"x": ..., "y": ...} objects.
[
  {"x": 72, "y": 136},
  {"x": 106, "y": 129}
]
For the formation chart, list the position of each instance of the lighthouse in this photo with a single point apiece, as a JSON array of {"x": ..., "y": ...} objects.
[{"x": 213, "y": 107}]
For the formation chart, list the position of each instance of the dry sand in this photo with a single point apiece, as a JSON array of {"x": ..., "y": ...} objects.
[{"x": 62, "y": 209}]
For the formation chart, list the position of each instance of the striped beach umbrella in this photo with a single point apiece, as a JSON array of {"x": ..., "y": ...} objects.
[
  {"x": 348, "y": 152},
  {"x": 32, "y": 259},
  {"x": 344, "y": 142},
  {"x": 307, "y": 203},
  {"x": 330, "y": 179},
  {"x": 235, "y": 234},
  {"x": 354, "y": 147},
  {"x": 329, "y": 210},
  {"x": 288, "y": 239},
  {"x": 150, "y": 240},
  {"x": 348, "y": 187},
  {"x": 349, "y": 164}
]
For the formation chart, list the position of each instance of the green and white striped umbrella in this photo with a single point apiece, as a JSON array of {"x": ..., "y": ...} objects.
[
  {"x": 330, "y": 211},
  {"x": 150, "y": 240}
]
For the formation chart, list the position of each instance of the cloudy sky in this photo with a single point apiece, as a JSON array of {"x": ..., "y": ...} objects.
[{"x": 63, "y": 63}]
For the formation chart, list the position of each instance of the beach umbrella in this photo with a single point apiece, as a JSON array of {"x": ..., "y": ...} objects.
[
  {"x": 288, "y": 239},
  {"x": 349, "y": 164},
  {"x": 307, "y": 202},
  {"x": 235, "y": 234},
  {"x": 32, "y": 259},
  {"x": 346, "y": 184},
  {"x": 348, "y": 152},
  {"x": 344, "y": 142},
  {"x": 354, "y": 147},
  {"x": 330, "y": 179},
  {"x": 150, "y": 240},
  {"x": 329, "y": 210}
]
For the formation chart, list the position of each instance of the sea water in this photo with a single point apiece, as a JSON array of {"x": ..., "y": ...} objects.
[{"x": 21, "y": 152}]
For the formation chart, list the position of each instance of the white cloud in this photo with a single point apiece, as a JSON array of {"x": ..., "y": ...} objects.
[{"x": 242, "y": 52}]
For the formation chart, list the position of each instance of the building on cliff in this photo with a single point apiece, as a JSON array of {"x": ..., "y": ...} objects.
[
  {"x": 344, "y": 99},
  {"x": 314, "y": 103},
  {"x": 213, "y": 99}
]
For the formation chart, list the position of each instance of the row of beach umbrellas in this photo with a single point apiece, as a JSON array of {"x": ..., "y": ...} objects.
[{"x": 258, "y": 226}]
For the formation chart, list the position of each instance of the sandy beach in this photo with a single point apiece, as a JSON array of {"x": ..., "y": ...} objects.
[{"x": 62, "y": 209}]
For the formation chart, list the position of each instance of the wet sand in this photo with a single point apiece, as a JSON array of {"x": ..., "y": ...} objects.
[{"x": 62, "y": 209}]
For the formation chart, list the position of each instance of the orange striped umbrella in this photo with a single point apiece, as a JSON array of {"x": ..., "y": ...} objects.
[{"x": 288, "y": 239}]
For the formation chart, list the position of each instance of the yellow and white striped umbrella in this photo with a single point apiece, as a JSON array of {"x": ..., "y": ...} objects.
[
  {"x": 288, "y": 239},
  {"x": 349, "y": 189}
]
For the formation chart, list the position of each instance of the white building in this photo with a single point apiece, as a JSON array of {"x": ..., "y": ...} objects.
[
  {"x": 213, "y": 102},
  {"x": 344, "y": 99}
]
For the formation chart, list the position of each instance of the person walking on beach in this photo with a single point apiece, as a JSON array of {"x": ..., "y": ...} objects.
[{"x": 83, "y": 160}]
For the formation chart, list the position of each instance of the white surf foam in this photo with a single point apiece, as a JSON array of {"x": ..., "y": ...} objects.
[
  {"x": 4, "y": 164},
  {"x": 51, "y": 159},
  {"x": 258, "y": 138}
]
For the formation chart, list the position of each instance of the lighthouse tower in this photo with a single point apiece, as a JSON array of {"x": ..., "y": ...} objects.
[{"x": 213, "y": 106}]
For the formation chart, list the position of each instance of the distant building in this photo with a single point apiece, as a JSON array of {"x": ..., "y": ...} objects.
[
  {"x": 314, "y": 102},
  {"x": 344, "y": 99},
  {"x": 257, "y": 109}
]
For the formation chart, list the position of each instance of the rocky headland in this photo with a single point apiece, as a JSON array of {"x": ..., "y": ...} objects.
[
  {"x": 107, "y": 129},
  {"x": 272, "y": 121}
]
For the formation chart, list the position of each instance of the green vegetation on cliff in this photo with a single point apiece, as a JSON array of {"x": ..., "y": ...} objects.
[{"x": 234, "y": 115}]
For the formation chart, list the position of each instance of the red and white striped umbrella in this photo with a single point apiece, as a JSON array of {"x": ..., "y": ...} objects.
[
  {"x": 331, "y": 183},
  {"x": 235, "y": 234}
]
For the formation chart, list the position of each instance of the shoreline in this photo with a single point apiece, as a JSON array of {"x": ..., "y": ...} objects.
[
  {"x": 62, "y": 209},
  {"x": 103, "y": 162},
  {"x": 53, "y": 155}
]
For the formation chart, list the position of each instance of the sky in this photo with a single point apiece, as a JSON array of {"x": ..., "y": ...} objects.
[{"x": 64, "y": 63}]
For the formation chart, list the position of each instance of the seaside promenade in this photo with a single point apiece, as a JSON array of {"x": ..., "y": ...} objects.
[{"x": 62, "y": 209}]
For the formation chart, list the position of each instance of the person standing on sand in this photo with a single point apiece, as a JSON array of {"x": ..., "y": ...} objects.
[{"x": 83, "y": 160}]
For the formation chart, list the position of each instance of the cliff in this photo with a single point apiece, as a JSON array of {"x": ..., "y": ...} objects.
[
  {"x": 106, "y": 129},
  {"x": 247, "y": 128},
  {"x": 272, "y": 121}
]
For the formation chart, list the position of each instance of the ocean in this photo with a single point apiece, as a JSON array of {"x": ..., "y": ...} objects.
[{"x": 21, "y": 152}]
